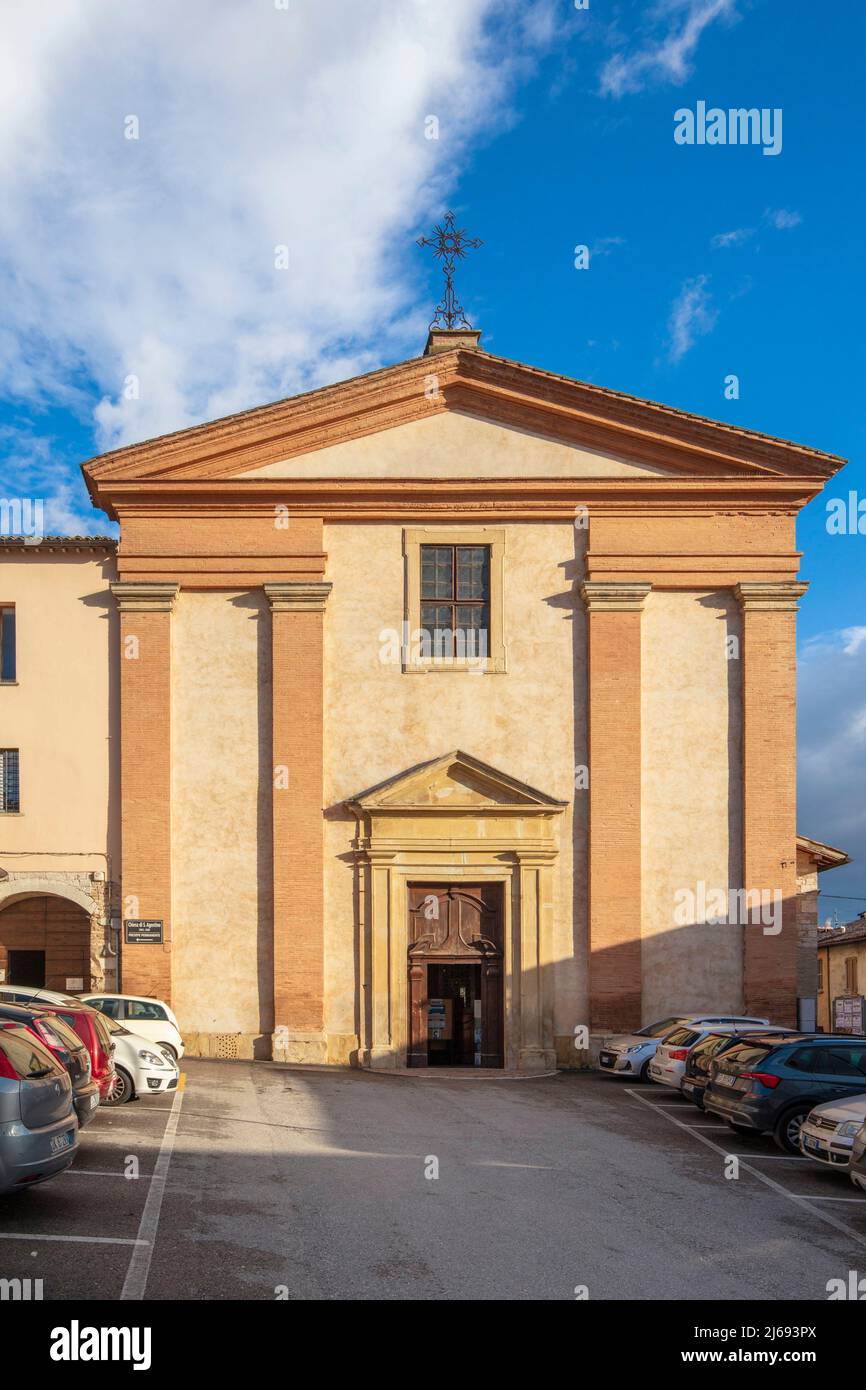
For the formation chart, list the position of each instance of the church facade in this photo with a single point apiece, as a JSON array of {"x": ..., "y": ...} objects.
[{"x": 448, "y": 717}]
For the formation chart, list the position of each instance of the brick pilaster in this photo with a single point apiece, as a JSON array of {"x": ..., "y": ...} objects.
[
  {"x": 770, "y": 791},
  {"x": 297, "y": 617},
  {"x": 145, "y": 775},
  {"x": 614, "y": 729}
]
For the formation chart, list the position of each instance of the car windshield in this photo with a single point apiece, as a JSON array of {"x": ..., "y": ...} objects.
[
  {"x": 114, "y": 1027},
  {"x": 658, "y": 1030},
  {"x": 67, "y": 1035},
  {"x": 746, "y": 1055},
  {"x": 710, "y": 1046},
  {"x": 29, "y": 1058},
  {"x": 683, "y": 1037}
]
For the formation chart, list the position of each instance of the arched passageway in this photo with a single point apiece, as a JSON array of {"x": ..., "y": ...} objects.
[{"x": 45, "y": 940}]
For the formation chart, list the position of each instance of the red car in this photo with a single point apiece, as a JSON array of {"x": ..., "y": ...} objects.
[
  {"x": 66, "y": 1046},
  {"x": 88, "y": 1023}
]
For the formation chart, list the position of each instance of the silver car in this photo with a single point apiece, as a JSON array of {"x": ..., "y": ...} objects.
[
  {"x": 38, "y": 1124},
  {"x": 630, "y": 1054}
]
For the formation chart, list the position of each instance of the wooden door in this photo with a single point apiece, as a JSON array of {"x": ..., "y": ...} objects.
[{"x": 462, "y": 924}]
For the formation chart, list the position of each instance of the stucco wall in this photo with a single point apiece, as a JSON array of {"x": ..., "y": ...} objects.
[
  {"x": 380, "y": 721},
  {"x": 691, "y": 798},
  {"x": 221, "y": 834},
  {"x": 455, "y": 445}
]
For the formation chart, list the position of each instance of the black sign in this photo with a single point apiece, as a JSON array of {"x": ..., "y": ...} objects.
[{"x": 141, "y": 933}]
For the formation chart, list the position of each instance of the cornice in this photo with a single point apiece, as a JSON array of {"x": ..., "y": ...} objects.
[{"x": 493, "y": 388}]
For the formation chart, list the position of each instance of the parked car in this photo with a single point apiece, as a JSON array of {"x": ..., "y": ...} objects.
[
  {"x": 38, "y": 1125},
  {"x": 629, "y": 1054},
  {"x": 67, "y": 1047},
  {"x": 827, "y": 1134},
  {"x": 699, "y": 1060},
  {"x": 88, "y": 1023},
  {"x": 141, "y": 1068},
  {"x": 769, "y": 1085},
  {"x": 147, "y": 1018},
  {"x": 857, "y": 1166},
  {"x": 669, "y": 1063}
]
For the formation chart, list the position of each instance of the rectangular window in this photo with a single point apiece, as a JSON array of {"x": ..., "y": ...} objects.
[
  {"x": 820, "y": 975},
  {"x": 10, "y": 799},
  {"x": 7, "y": 644},
  {"x": 455, "y": 600},
  {"x": 851, "y": 975}
]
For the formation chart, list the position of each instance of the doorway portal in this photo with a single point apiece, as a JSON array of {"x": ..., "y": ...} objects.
[
  {"x": 27, "y": 968},
  {"x": 455, "y": 963}
]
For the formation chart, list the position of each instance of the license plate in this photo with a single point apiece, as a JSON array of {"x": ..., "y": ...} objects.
[
  {"x": 94, "y": 1100},
  {"x": 726, "y": 1079},
  {"x": 814, "y": 1144},
  {"x": 606, "y": 1059},
  {"x": 688, "y": 1086},
  {"x": 60, "y": 1142}
]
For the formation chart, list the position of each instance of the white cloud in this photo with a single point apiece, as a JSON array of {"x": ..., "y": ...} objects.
[
  {"x": 692, "y": 316},
  {"x": 259, "y": 127},
  {"x": 722, "y": 240},
  {"x": 663, "y": 57},
  {"x": 781, "y": 219},
  {"x": 605, "y": 246}
]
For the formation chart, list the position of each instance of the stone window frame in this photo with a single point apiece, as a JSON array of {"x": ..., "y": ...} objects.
[{"x": 490, "y": 536}]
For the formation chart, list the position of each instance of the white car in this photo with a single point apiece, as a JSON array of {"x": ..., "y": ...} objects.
[
  {"x": 827, "y": 1133},
  {"x": 141, "y": 1068},
  {"x": 669, "y": 1063},
  {"x": 148, "y": 1018},
  {"x": 630, "y": 1054}
]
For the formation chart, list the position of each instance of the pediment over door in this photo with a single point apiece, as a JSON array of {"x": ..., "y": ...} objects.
[{"x": 456, "y": 781}]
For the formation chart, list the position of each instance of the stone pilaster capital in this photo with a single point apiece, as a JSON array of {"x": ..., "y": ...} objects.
[
  {"x": 770, "y": 596},
  {"x": 613, "y": 596},
  {"x": 138, "y": 597},
  {"x": 298, "y": 596}
]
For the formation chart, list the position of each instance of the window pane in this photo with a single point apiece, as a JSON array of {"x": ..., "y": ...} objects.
[
  {"x": 472, "y": 629},
  {"x": 7, "y": 644},
  {"x": 472, "y": 571},
  {"x": 436, "y": 619},
  {"x": 9, "y": 790},
  {"x": 436, "y": 571}
]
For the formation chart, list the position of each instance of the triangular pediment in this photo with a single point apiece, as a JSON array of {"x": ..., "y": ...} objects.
[
  {"x": 240, "y": 451},
  {"x": 454, "y": 782}
]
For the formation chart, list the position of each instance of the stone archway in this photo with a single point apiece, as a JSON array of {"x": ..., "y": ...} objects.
[{"x": 50, "y": 928}]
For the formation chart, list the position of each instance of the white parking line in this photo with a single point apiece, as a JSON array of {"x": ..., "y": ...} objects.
[
  {"x": 135, "y": 1283},
  {"x": 805, "y": 1202},
  {"x": 85, "y": 1240},
  {"x": 95, "y": 1173},
  {"x": 836, "y": 1199}
]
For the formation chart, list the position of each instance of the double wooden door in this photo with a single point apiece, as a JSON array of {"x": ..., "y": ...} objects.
[{"x": 456, "y": 975}]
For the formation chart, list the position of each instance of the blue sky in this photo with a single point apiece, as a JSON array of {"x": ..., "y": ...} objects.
[{"x": 262, "y": 124}]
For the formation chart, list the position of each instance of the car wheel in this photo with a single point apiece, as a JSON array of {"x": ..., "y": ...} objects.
[
  {"x": 643, "y": 1074},
  {"x": 167, "y": 1047},
  {"x": 787, "y": 1131},
  {"x": 121, "y": 1089}
]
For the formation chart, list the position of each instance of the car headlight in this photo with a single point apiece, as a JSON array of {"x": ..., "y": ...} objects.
[
  {"x": 638, "y": 1048},
  {"x": 848, "y": 1130},
  {"x": 151, "y": 1059}
]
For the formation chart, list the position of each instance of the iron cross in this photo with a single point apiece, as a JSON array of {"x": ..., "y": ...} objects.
[{"x": 450, "y": 244}]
